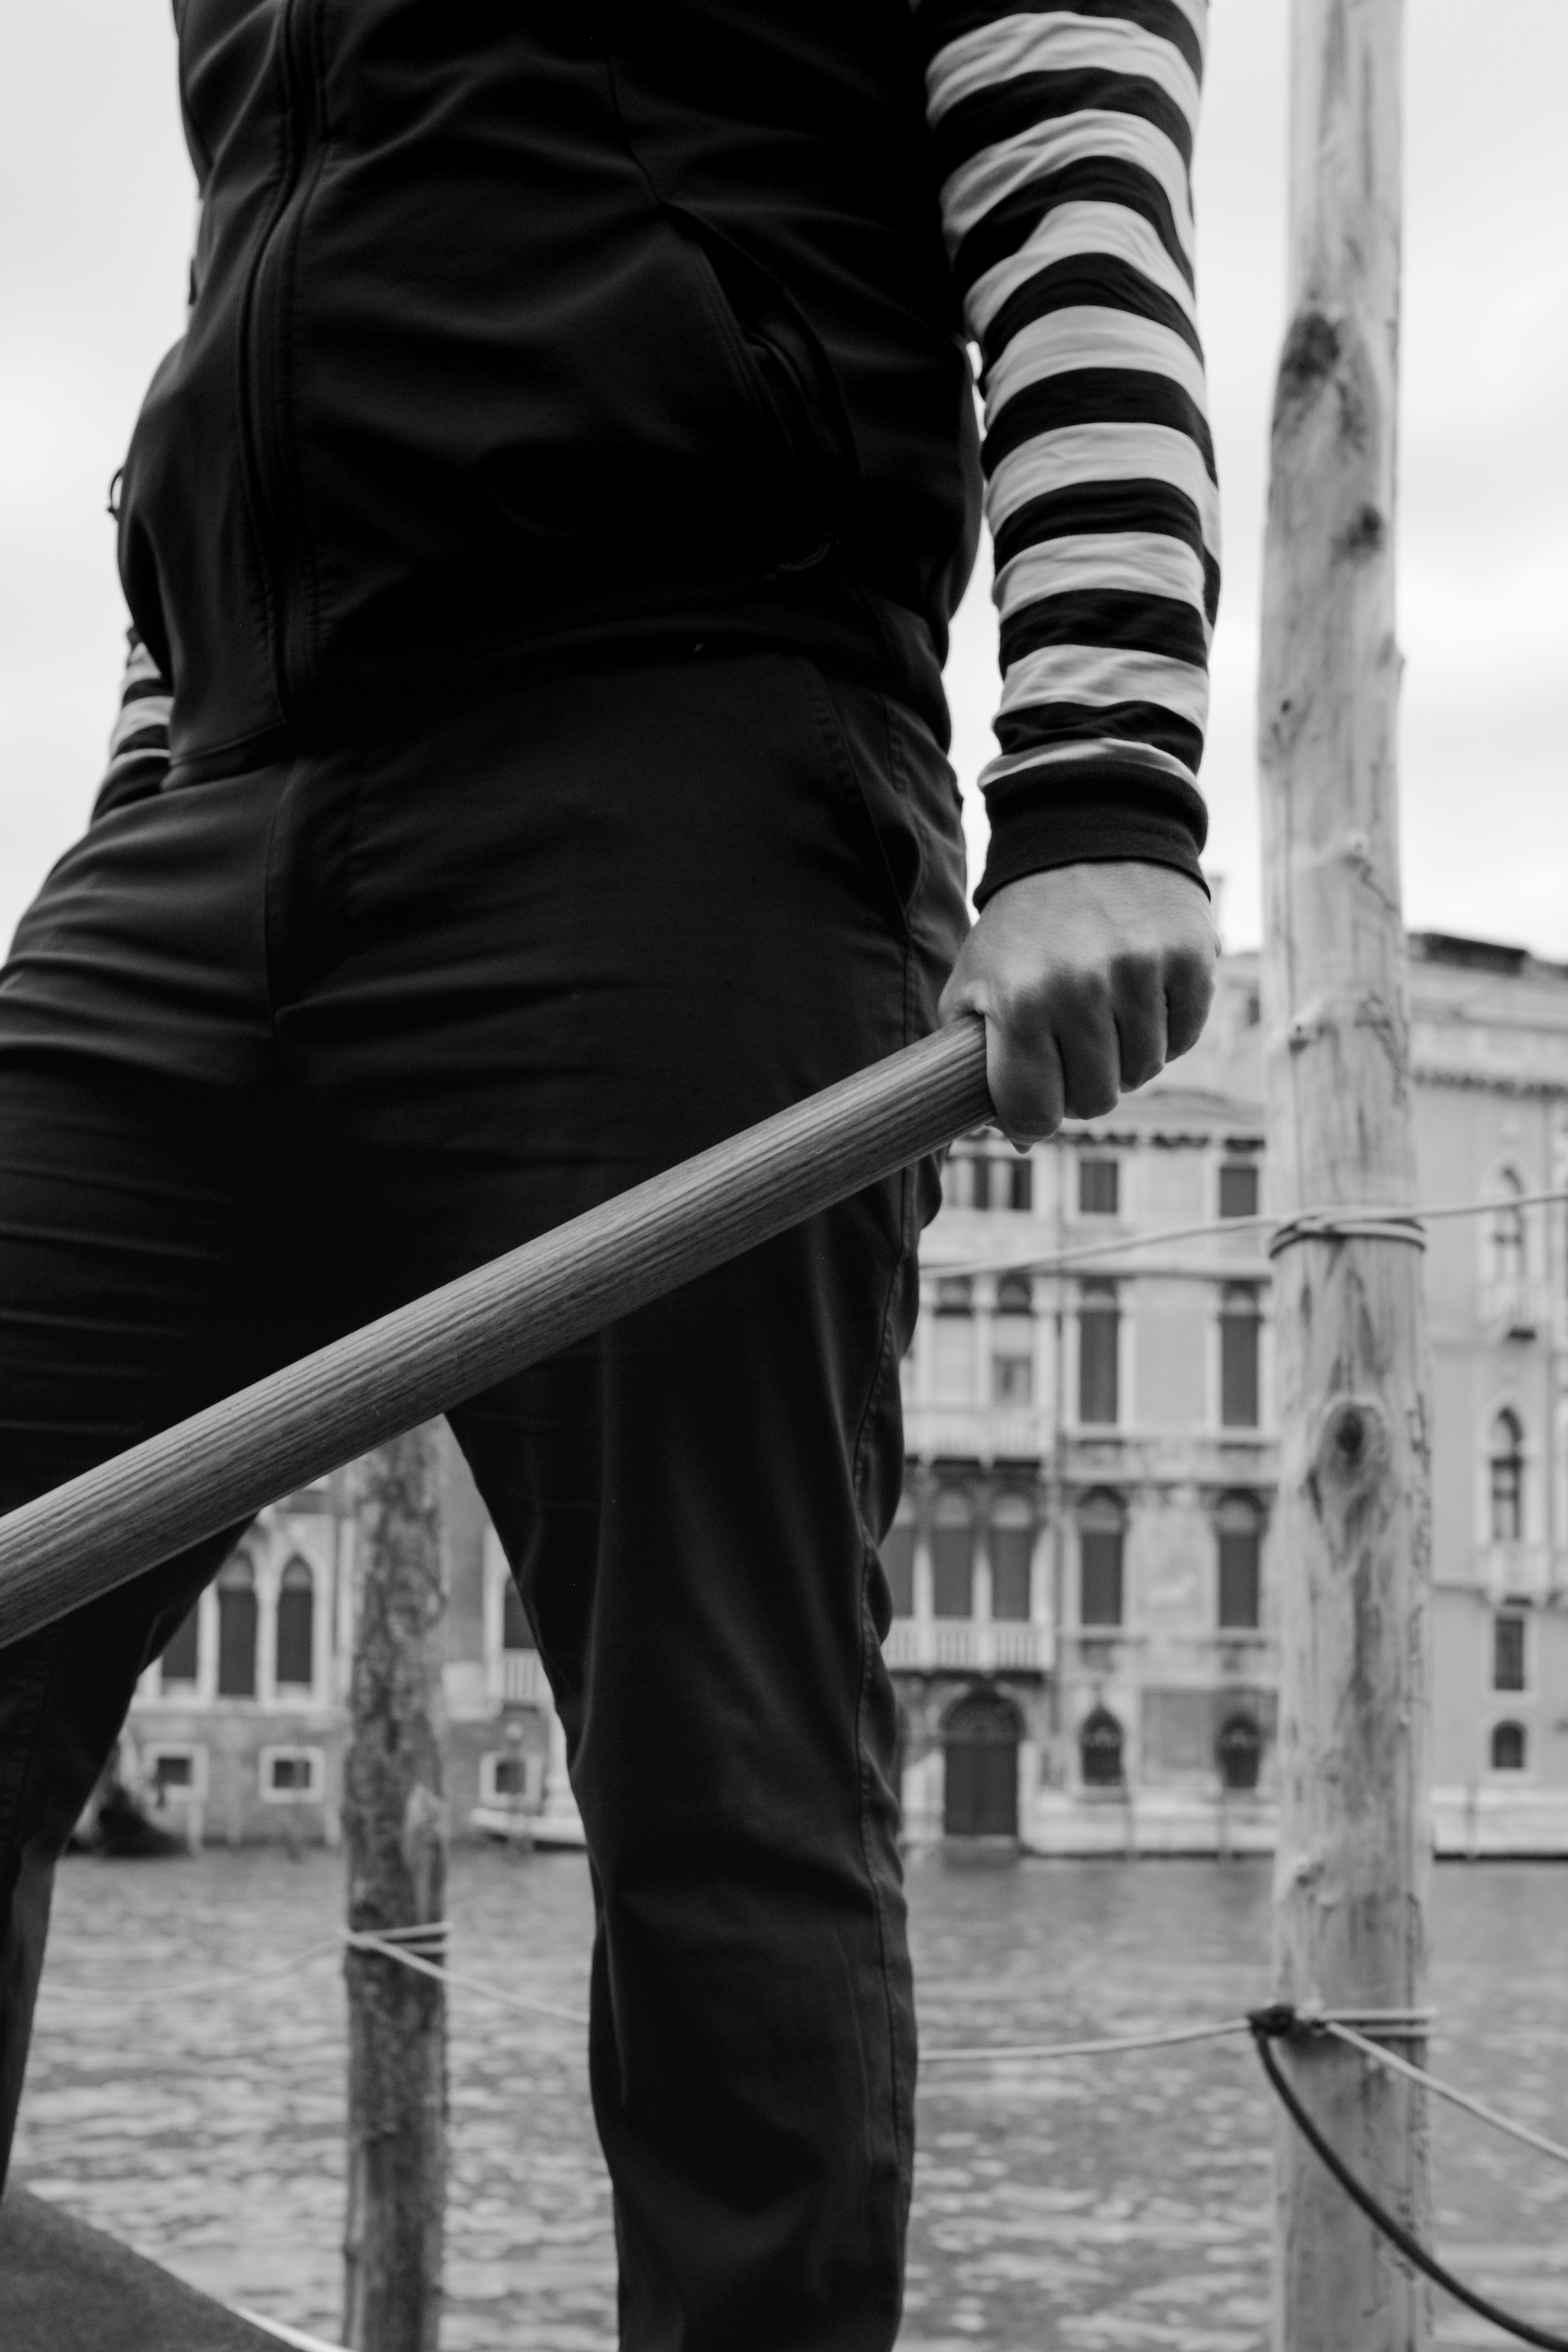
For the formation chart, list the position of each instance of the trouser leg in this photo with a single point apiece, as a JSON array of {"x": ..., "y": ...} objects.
[
  {"x": 693, "y": 1505},
  {"x": 134, "y": 1210},
  {"x": 655, "y": 908}
]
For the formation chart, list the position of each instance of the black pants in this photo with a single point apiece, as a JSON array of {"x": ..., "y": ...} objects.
[{"x": 279, "y": 1051}]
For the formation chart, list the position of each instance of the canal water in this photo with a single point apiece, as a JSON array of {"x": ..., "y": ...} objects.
[{"x": 1098, "y": 2205}]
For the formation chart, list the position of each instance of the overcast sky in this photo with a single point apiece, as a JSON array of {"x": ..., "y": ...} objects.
[{"x": 96, "y": 209}]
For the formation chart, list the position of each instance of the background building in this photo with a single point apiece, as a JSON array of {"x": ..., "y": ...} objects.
[{"x": 1082, "y": 1575}]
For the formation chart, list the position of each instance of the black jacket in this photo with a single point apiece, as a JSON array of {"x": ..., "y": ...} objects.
[{"x": 531, "y": 333}]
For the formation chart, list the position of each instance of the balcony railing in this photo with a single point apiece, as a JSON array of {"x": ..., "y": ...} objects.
[
  {"x": 517, "y": 1679},
  {"x": 976, "y": 1432},
  {"x": 1516, "y": 1309},
  {"x": 967, "y": 1646},
  {"x": 1522, "y": 1568}
]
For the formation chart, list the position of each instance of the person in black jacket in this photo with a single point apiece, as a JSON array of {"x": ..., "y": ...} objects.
[{"x": 540, "y": 547}]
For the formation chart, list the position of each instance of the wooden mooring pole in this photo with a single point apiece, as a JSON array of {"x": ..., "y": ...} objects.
[
  {"x": 395, "y": 1832},
  {"x": 1353, "y": 1535}
]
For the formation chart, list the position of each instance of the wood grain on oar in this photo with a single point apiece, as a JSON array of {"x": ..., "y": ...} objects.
[{"x": 226, "y": 1463}]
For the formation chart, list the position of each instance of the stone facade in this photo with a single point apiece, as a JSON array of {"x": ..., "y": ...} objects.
[
  {"x": 1115, "y": 1423},
  {"x": 1082, "y": 1574}
]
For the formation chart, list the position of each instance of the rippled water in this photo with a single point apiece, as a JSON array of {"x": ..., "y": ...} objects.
[{"x": 1103, "y": 2203}]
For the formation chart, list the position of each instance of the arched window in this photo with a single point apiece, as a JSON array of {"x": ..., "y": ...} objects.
[
  {"x": 296, "y": 1625},
  {"x": 1238, "y": 1524},
  {"x": 1240, "y": 1322},
  {"x": 1102, "y": 1526},
  {"x": 1012, "y": 1342},
  {"x": 1507, "y": 1480},
  {"x": 236, "y": 1629},
  {"x": 952, "y": 1554},
  {"x": 1507, "y": 1747},
  {"x": 1098, "y": 1330},
  {"x": 1505, "y": 1235},
  {"x": 953, "y": 1343},
  {"x": 1012, "y": 1549},
  {"x": 980, "y": 1748},
  {"x": 898, "y": 1552},
  {"x": 1240, "y": 1752},
  {"x": 181, "y": 1658},
  {"x": 1099, "y": 1749},
  {"x": 516, "y": 1632}
]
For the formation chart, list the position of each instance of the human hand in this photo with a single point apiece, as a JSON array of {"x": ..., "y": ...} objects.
[{"x": 1089, "y": 978}]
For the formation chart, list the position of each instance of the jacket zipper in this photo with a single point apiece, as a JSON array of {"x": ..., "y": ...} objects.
[{"x": 263, "y": 369}]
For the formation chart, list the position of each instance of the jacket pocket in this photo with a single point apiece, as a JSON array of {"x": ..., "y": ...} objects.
[{"x": 811, "y": 473}]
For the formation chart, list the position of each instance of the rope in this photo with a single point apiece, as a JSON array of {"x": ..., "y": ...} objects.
[
  {"x": 417, "y": 1947},
  {"x": 361, "y": 1940},
  {"x": 1390, "y": 1223},
  {"x": 1537, "y": 2140},
  {"x": 123, "y": 1991},
  {"x": 1275, "y": 2023},
  {"x": 1412, "y": 2021},
  {"x": 989, "y": 2050},
  {"x": 1326, "y": 1225}
]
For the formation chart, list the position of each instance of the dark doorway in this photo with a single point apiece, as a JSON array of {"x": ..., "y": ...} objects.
[
  {"x": 980, "y": 1742},
  {"x": 1240, "y": 1752},
  {"x": 1099, "y": 1749}
]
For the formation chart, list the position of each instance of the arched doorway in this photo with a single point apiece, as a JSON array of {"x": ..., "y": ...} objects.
[
  {"x": 1240, "y": 1752},
  {"x": 980, "y": 1746},
  {"x": 1100, "y": 1745}
]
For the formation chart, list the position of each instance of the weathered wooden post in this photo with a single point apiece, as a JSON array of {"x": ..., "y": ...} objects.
[
  {"x": 395, "y": 1832},
  {"x": 1353, "y": 1542}
]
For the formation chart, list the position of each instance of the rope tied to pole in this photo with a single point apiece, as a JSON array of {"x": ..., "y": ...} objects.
[
  {"x": 1280, "y": 2021},
  {"x": 1346, "y": 1225}
]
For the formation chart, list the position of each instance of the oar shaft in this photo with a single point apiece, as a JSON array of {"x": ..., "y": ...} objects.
[{"x": 224, "y": 1463}]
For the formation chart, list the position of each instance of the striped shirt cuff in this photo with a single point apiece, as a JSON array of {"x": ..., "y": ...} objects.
[{"x": 1064, "y": 138}]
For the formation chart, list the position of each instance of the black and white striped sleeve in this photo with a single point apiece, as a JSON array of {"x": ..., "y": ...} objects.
[
  {"x": 139, "y": 746},
  {"x": 1064, "y": 138}
]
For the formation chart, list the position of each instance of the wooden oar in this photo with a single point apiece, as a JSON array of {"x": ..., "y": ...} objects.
[{"x": 227, "y": 1463}]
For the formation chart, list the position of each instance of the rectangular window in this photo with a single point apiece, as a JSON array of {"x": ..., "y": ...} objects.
[
  {"x": 1508, "y": 1651},
  {"x": 1238, "y": 1329},
  {"x": 1012, "y": 1379},
  {"x": 1099, "y": 1188},
  {"x": 1099, "y": 1349},
  {"x": 1239, "y": 1188},
  {"x": 1021, "y": 1187},
  {"x": 174, "y": 1768},
  {"x": 1100, "y": 1560},
  {"x": 290, "y": 1774}
]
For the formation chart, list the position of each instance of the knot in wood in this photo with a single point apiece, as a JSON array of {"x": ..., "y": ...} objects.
[
  {"x": 1365, "y": 535},
  {"x": 1306, "y": 364},
  {"x": 1353, "y": 1447}
]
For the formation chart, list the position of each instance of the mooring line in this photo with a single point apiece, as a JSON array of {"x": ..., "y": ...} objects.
[
  {"x": 997, "y": 2053},
  {"x": 1383, "y": 1220},
  {"x": 1279, "y": 2023},
  {"x": 1343, "y": 2031}
]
